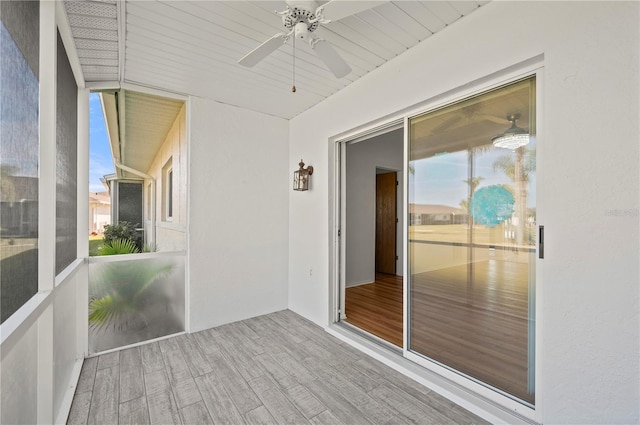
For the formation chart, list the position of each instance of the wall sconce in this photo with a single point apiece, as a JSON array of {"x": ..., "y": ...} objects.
[{"x": 301, "y": 177}]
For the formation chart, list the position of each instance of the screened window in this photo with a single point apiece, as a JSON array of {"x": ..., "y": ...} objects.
[
  {"x": 19, "y": 153},
  {"x": 66, "y": 162},
  {"x": 130, "y": 202}
]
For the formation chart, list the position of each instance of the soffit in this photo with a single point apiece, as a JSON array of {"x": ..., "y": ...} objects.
[
  {"x": 94, "y": 25},
  {"x": 147, "y": 121}
]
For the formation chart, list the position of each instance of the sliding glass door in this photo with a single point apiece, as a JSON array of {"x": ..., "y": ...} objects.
[{"x": 472, "y": 238}]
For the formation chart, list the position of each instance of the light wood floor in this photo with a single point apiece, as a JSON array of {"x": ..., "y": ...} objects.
[
  {"x": 272, "y": 369},
  {"x": 480, "y": 330},
  {"x": 377, "y": 307}
]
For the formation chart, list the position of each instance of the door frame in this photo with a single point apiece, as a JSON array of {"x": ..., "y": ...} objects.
[
  {"x": 338, "y": 231},
  {"x": 337, "y": 216}
]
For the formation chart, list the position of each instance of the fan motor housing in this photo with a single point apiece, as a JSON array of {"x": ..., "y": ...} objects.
[{"x": 299, "y": 15}]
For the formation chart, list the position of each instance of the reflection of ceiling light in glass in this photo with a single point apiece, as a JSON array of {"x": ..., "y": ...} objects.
[{"x": 514, "y": 137}]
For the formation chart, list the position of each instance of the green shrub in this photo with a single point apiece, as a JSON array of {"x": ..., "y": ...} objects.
[{"x": 122, "y": 230}]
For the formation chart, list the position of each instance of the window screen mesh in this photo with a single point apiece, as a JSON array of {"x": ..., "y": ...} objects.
[
  {"x": 19, "y": 143},
  {"x": 66, "y": 162}
]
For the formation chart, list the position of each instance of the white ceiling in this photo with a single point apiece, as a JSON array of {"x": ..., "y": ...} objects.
[{"x": 192, "y": 47}]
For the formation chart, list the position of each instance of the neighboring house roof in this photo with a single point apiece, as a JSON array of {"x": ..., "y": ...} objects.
[
  {"x": 100, "y": 198},
  {"x": 434, "y": 209}
]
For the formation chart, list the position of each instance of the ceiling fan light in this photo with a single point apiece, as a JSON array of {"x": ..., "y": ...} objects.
[
  {"x": 511, "y": 141},
  {"x": 513, "y": 138},
  {"x": 301, "y": 31}
]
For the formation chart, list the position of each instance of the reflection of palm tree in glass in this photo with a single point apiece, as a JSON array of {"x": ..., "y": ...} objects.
[
  {"x": 473, "y": 183},
  {"x": 518, "y": 168}
]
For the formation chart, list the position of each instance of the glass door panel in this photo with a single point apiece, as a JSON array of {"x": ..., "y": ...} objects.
[{"x": 472, "y": 230}]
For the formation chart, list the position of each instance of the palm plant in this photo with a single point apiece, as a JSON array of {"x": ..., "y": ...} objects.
[
  {"x": 473, "y": 183},
  {"x": 119, "y": 246},
  {"x": 518, "y": 168}
]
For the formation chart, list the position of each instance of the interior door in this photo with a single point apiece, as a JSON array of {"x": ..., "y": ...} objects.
[{"x": 386, "y": 215}]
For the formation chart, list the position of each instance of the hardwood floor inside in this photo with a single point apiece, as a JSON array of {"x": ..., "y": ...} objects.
[
  {"x": 377, "y": 307},
  {"x": 479, "y": 329}
]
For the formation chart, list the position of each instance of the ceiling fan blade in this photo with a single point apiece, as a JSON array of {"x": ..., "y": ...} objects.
[
  {"x": 263, "y": 50},
  {"x": 448, "y": 124},
  {"x": 338, "y": 9},
  {"x": 331, "y": 58},
  {"x": 495, "y": 119}
]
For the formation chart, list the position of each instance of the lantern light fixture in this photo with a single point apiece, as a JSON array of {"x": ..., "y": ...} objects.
[
  {"x": 514, "y": 137},
  {"x": 301, "y": 177}
]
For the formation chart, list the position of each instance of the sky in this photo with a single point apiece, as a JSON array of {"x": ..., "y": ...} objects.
[
  {"x": 100, "y": 159},
  {"x": 440, "y": 179}
]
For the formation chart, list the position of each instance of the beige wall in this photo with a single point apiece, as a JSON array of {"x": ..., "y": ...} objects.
[{"x": 170, "y": 233}]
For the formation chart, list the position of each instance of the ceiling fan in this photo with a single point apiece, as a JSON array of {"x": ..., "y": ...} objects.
[
  {"x": 301, "y": 19},
  {"x": 467, "y": 115}
]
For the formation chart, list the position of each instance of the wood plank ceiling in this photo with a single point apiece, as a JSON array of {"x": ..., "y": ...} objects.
[
  {"x": 138, "y": 125},
  {"x": 192, "y": 47}
]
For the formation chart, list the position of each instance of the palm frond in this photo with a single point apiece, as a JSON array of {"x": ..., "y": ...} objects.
[
  {"x": 109, "y": 311},
  {"x": 506, "y": 164},
  {"x": 120, "y": 246},
  {"x": 125, "y": 289}
]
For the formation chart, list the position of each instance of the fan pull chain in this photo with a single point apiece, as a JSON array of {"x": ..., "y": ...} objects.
[{"x": 293, "y": 88}]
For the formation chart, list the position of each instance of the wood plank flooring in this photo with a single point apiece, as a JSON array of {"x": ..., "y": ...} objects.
[
  {"x": 479, "y": 329},
  {"x": 377, "y": 307},
  {"x": 273, "y": 369}
]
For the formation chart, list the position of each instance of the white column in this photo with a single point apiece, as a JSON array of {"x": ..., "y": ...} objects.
[
  {"x": 47, "y": 205},
  {"x": 83, "y": 173},
  {"x": 82, "y": 294},
  {"x": 47, "y": 166}
]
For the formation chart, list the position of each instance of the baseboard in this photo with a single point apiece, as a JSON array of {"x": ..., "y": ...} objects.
[
  {"x": 67, "y": 401},
  {"x": 364, "y": 282}
]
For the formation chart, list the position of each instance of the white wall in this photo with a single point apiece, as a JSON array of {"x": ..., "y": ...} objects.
[
  {"x": 42, "y": 348},
  {"x": 383, "y": 151},
  {"x": 238, "y": 213},
  {"x": 171, "y": 235},
  {"x": 19, "y": 383},
  {"x": 588, "y": 183}
]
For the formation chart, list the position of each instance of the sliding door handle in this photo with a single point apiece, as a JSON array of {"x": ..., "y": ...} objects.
[{"x": 541, "y": 242}]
